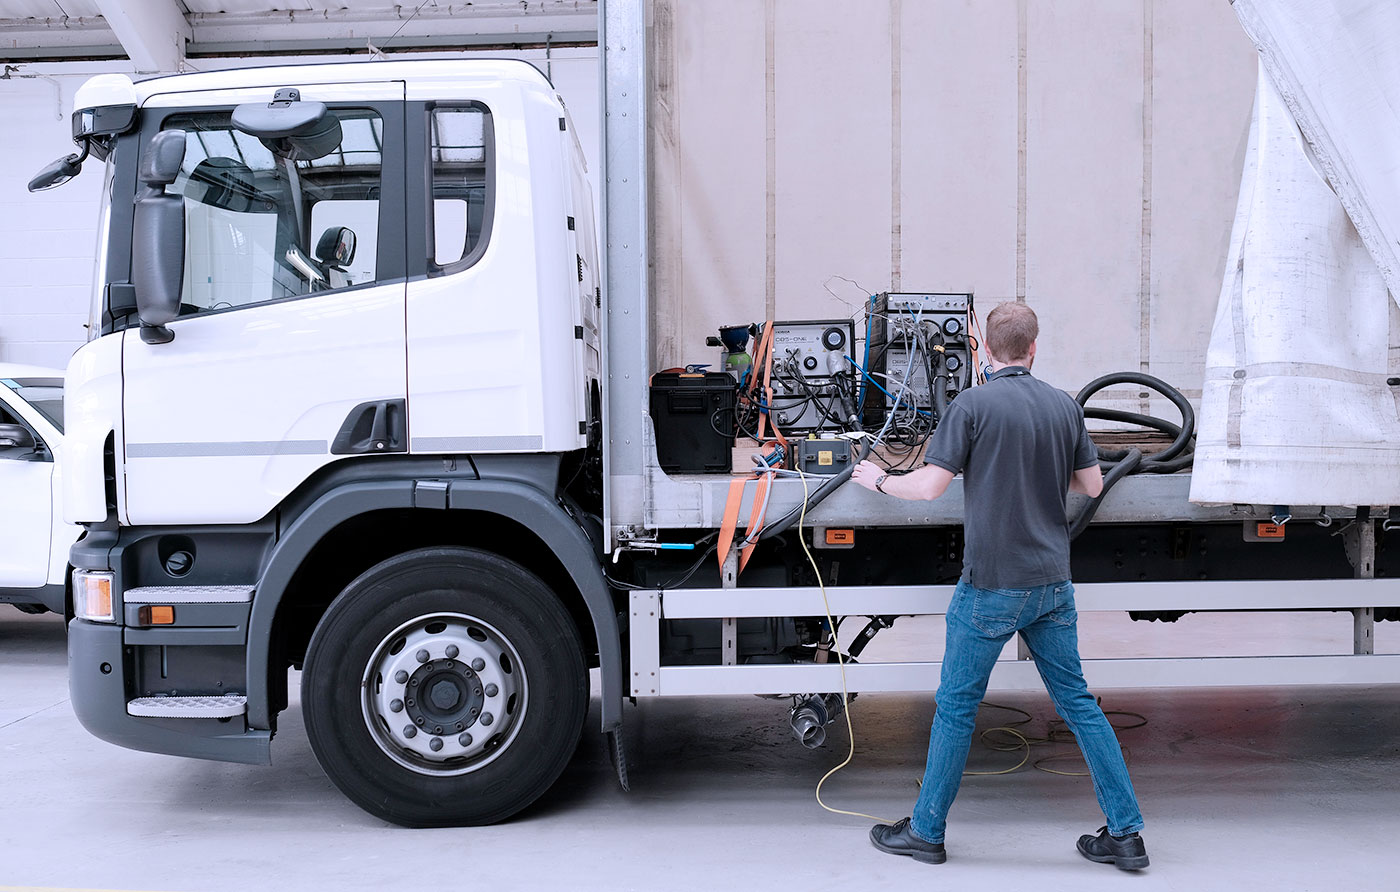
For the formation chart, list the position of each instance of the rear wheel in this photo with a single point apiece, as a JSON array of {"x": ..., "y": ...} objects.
[{"x": 445, "y": 687}]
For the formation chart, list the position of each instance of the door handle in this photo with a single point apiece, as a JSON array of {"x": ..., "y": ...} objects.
[{"x": 373, "y": 428}]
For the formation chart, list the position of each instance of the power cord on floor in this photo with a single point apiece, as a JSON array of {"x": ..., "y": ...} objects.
[
  {"x": 840, "y": 661},
  {"x": 1058, "y": 732}
]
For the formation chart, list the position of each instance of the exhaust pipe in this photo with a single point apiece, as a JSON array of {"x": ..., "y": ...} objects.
[{"x": 810, "y": 717}]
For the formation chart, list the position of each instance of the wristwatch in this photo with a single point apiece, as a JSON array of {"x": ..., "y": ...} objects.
[{"x": 880, "y": 484}]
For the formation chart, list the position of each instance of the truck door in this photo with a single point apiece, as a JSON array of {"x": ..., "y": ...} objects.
[
  {"x": 290, "y": 341},
  {"x": 26, "y": 504}
]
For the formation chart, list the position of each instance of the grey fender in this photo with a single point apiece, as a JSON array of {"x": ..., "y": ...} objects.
[{"x": 512, "y": 499}]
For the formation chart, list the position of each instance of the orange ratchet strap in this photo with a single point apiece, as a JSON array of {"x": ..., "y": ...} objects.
[{"x": 763, "y": 354}]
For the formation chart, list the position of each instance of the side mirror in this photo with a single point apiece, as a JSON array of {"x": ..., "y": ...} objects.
[
  {"x": 158, "y": 237},
  {"x": 336, "y": 247},
  {"x": 16, "y": 436},
  {"x": 290, "y": 128},
  {"x": 59, "y": 172}
]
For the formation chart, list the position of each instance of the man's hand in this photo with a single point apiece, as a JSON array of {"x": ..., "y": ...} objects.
[{"x": 866, "y": 473}]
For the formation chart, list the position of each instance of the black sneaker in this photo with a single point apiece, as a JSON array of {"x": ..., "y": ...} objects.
[
  {"x": 898, "y": 839},
  {"x": 1123, "y": 852}
]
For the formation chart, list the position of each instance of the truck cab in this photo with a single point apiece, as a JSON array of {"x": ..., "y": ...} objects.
[{"x": 334, "y": 301}]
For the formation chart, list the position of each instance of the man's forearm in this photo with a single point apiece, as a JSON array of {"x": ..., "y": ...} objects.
[{"x": 928, "y": 482}]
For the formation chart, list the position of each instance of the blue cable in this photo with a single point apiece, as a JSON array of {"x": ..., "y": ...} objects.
[{"x": 860, "y": 396}]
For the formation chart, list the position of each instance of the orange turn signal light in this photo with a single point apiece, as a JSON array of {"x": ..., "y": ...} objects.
[
  {"x": 156, "y": 615},
  {"x": 840, "y": 537}
]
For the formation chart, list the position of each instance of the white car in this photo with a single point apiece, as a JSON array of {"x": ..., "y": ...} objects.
[{"x": 34, "y": 540}]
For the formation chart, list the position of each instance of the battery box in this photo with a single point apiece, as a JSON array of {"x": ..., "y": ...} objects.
[
  {"x": 690, "y": 412},
  {"x": 823, "y": 456}
]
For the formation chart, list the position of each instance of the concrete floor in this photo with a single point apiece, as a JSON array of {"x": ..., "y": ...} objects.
[{"x": 1242, "y": 788}]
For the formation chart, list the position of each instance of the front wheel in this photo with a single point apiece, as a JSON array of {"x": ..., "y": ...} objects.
[{"x": 444, "y": 687}]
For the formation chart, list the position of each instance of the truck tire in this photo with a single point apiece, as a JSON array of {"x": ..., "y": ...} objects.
[{"x": 444, "y": 687}]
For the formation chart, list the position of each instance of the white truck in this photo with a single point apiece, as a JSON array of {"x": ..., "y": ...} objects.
[
  {"x": 34, "y": 540},
  {"x": 363, "y": 398}
]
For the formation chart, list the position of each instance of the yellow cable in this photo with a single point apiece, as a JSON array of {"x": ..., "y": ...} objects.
[{"x": 840, "y": 661}]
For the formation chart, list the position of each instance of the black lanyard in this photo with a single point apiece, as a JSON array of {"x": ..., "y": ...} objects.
[{"x": 1010, "y": 371}]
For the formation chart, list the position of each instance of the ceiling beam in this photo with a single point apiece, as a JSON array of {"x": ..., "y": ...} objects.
[
  {"x": 153, "y": 33},
  {"x": 485, "y": 22},
  {"x": 157, "y": 37}
]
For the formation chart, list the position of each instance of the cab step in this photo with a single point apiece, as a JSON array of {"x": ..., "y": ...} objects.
[
  {"x": 189, "y": 594},
  {"x": 225, "y": 707}
]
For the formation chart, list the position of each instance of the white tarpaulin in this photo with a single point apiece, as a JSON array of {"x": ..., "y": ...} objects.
[{"x": 1296, "y": 407}]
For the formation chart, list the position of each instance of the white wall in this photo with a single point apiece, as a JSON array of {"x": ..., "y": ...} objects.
[{"x": 47, "y": 239}]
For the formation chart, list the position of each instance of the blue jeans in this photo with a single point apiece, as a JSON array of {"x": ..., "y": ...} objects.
[{"x": 980, "y": 622}]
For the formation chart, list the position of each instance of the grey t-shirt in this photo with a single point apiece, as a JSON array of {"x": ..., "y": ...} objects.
[{"x": 1017, "y": 441}]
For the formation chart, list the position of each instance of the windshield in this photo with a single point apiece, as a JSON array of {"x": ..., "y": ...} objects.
[
  {"x": 260, "y": 227},
  {"x": 44, "y": 394}
]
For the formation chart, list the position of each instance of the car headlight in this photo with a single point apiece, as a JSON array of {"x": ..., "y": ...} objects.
[{"x": 92, "y": 595}]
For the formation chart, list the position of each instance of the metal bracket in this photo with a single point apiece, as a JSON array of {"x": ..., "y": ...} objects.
[
  {"x": 644, "y": 632},
  {"x": 729, "y": 626},
  {"x": 1359, "y": 542},
  {"x": 1363, "y": 630}
]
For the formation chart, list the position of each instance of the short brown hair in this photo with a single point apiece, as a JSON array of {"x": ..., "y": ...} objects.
[{"x": 1011, "y": 329}]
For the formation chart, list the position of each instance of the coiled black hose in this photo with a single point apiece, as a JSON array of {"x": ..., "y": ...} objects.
[{"x": 1119, "y": 463}]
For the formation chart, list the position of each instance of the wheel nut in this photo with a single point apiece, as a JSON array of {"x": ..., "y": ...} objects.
[
  {"x": 452, "y": 651},
  {"x": 435, "y": 744},
  {"x": 465, "y": 740},
  {"x": 478, "y": 664},
  {"x": 491, "y": 690},
  {"x": 410, "y": 731},
  {"x": 401, "y": 677},
  {"x": 396, "y": 706},
  {"x": 422, "y": 655},
  {"x": 487, "y": 718}
]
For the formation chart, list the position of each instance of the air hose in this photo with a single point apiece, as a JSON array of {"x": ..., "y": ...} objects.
[{"x": 1119, "y": 463}]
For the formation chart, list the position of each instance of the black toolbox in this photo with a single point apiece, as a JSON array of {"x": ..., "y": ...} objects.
[{"x": 689, "y": 411}]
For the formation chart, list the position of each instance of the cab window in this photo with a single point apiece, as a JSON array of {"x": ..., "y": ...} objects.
[
  {"x": 261, "y": 227},
  {"x": 460, "y": 147}
]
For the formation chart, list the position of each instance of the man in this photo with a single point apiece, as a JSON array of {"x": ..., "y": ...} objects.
[{"x": 1020, "y": 444}]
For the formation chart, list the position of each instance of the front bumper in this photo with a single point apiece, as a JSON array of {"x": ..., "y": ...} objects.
[{"x": 99, "y": 683}]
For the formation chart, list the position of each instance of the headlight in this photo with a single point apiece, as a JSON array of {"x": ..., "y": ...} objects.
[{"x": 92, "y": 595}]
